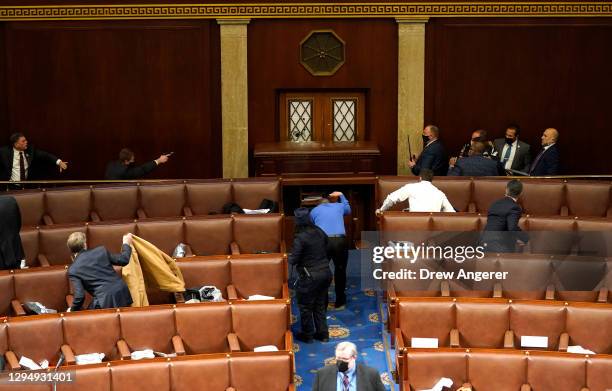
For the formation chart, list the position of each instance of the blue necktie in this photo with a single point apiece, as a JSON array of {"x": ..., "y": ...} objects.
[{"x": 507, "y": 154}]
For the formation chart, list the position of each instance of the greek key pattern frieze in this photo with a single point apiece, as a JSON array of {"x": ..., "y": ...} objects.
[{"x": 163, "y": 11}]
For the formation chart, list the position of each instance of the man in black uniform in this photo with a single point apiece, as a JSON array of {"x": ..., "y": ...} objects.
[
  {"x": 11, "y": 250},
  {"x": 309, "y": 256},
  {"x": 124, "y": 168},
  {"x": 92, "y": 271},
  {"x": 502, "y": 229}
]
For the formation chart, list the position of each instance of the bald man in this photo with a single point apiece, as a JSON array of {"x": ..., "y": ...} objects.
[{"x": 547, "y": 161}]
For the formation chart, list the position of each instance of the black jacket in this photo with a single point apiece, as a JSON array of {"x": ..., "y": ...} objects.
[
  {"x": 502, "y": 229},
  {"x": 116, "y": 170},
  {"x": 547, "y": 164},
  {"x": 433, "y": 157},
  {"x": 476, "y": 165},
  {"x": 309, "y": 249},
  {"x": 35, "y": 158},
  {"x": 522, "y": 155},
  {"x": 11, "y": 250},
  {"x": 368, "y": 379},
  {"x": 92, "y": 271}
]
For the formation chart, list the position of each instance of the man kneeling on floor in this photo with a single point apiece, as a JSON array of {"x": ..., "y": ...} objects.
[
  {"x": 347, "y": 375},
  {"x": 92, "y": 271}
]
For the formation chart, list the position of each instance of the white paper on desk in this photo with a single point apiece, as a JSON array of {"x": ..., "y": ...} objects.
[
  {"x": 255, "y": 211},
  {"x": 140, "y": 354},
  {"x": 266, "y": 348},
  {"x": 424, "y": 343},
  {"x": 28, "y": 363},
  {"x": 89, "y": 358},
  {"x": 443, "y": 382},
  {"x": 531, "y": 341},
  {"x": 260, "y": 297},
  {"x": 579, "y": 349}
]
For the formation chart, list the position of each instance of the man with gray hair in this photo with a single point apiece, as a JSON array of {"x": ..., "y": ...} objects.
[
  {"x": 92, "y": 271},
  {"x": 347, "y": 375}
]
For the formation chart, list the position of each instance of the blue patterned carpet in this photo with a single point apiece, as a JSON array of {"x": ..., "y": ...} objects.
[{"x": 361, "y": 323}]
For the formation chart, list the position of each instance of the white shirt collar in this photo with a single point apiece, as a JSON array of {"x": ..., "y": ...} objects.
[{"x": 548, "y": 146}]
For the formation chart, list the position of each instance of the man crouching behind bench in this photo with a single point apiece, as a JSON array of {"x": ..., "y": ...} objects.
[{"x": 92, "y": 272}]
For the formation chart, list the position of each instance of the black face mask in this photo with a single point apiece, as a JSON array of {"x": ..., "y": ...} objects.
[
  {"x": 509, "y": 140},
  {"x": 342, "y": 365},
  {"x": 425, "y": 139}
]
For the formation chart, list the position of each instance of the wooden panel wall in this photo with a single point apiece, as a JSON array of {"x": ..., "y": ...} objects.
[
  {"x": 487, "y": 73},
  {"x": 84, "y": 90},
  {"x": 371, "y": 67}
]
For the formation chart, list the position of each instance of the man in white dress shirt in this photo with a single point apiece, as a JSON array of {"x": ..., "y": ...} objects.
[{"x": 422, "y": 196}]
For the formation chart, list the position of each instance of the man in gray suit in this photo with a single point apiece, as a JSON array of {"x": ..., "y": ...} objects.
[
  {"x": 513, "y": 153},
  {"x": 347, "y": 375}
]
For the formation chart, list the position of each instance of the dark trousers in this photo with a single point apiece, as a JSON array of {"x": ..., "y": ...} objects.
[
  {"x": 337, "y": 251},
  {"x": 311, "y": 295}
]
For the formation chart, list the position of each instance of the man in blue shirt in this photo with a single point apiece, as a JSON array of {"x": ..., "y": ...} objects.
[
  {"x": 347, "y": 375},
  {"x": 329, "y": 216}
]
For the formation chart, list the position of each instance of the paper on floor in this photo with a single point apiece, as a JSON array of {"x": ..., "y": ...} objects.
[
  {"x": 579, "y": 349},
  {"x": 443, "y": 382},
  {"x": 266, "y": 348}
]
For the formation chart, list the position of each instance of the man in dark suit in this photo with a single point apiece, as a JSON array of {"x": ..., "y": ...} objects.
[
  {"x": 92, "y": 271},
  {"x": 514, "y": 154},
  {"x": 433, "y": 156},
  {"x": 475, "y": 164},
  {"x": 20, "y": 161},
  {"x": 547, "y": 161},
  {"x": 124, "y": 168},
  {"x": 11, "y": 250},
  {"x": 502, "y": 229},
  {"x": 347, "y": 375}
]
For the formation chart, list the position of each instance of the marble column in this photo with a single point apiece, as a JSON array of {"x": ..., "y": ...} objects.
[{"x": 234, "y": 97}]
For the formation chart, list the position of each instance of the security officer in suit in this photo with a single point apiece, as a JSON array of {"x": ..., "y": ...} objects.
[
  {"x": 92, "y": 271},
  {"x": 475, "y": 164},
  {"x": 309, "y": 257},
  {"x": 514, "y": 154},
  {"x": 547, "y": 161},
  {"x": 502, "y": 229},
  {"x": 347, "y": 375},
  {"x": 124, "y": 168},
  {"x": 433, "y": 155},
  {"x": 11, "y": 249}
]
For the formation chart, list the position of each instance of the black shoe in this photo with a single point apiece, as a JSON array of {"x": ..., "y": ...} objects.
[
  {"x": 303, "y": 337},
  {"x": 322, "y": 338},
  {"x": 340, "y": 304}
]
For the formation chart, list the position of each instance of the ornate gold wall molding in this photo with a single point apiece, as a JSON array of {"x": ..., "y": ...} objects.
[{"x": 305, "y": 10}]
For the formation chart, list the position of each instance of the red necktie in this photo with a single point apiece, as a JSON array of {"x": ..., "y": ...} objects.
[
  {"x": 22, "y": 172},
  {"x": 346, "y": 382}
]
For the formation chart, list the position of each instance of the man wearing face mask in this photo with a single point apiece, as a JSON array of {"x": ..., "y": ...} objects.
[
  {"x": 347, "y": 375},
  {"x": 124, "y": 168},
  {"x": 433, "y": 155},
  {"x": 514, "y": 154}
]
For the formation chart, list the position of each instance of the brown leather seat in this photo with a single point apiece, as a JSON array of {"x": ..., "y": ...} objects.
[
  {"x": 7, "y": 291},
  {"x": 426, "y": 318},
  {"x": 36, "y": 337},
  {"x": 209, "y": 236},
  {"x": 248, "y": 193},
  {"x": 198, "y": 272},
  {"x": 590, "y": 326},
  {"x": 258, "y": 233},
  {"x": 68, "y": 205},
  {"x": 148, "y": 328},
  {"x": 108, "y": 235},
  {"x": 499, "y": 371},
  {"x": 424, "y": 368},
  {"x": 482, "y": 324},
  {"x": 164, "y": 234},
  {"x": 599, "y": 373},
  {"x": 31, "y": 205},
  {"x": 260, "y": 324},
  {"x": 162, "y": 200},
  {"x": 48, "y": 286},
  {"x": 398, "y": 226},
  {"x": 93, "y": 332},
  {"x": 586, "y": 198},
  {"x": 551, "y": 235},
  {"x": 594, "y": 236},
  {"x": 529, "y": 275},
  {"x": 387, "y": 185},
  {"x": 458, "y": 191},
  {"x": 53, "y": 243},
  {"x": 258, "y": 275},
  {"x": 155, "y": 375},
  {"x": 116, "y": 202},
  {"x": 204, "y": 328},
  {"x": 542, "y": 320},
  {"x": 210, "y": 374},
  {"x": 486, "y": 191},
  {"x": 94, "y": 377},
  {"x": 543, "y": 197},
  {"x": 270, "y": 372},
  {"x": 553, "y": 372},
  {"x": 208, "y": 197},
  {"x": 29, "y": 241}
]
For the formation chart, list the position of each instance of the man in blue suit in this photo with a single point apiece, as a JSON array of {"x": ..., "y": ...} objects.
[
  {"x": 475, "y": 164},
  {"x": 547, "y": 161},
  {"x": 433, "y": 156}
]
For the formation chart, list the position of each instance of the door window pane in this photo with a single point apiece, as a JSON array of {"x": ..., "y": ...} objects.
[
  {"x": 345, "y": 119},
  {"x": 300, "y": 120}
]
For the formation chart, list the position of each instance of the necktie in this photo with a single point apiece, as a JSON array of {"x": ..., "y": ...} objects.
[
  {"x": 22, "y": 172},
  {"x": 507, "y": 154},
  {"x": 345, "y": 382},
  {"x": 537, "y": 159}
]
